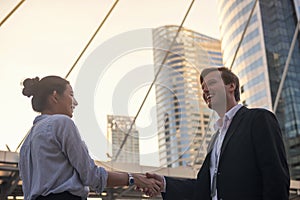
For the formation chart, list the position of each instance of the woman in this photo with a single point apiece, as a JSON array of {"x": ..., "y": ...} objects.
[{"x": 54, "y": 161}]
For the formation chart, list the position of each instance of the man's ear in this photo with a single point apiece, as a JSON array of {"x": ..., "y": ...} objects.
[{"x": 232, "y": 86}]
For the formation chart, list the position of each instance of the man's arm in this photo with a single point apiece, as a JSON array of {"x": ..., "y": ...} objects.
[
  {"x": 271, "y": 156},
  {"x": 175, "y": 188}
]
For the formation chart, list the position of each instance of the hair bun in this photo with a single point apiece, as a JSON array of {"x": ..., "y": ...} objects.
[{"x": 30, "y": 86}]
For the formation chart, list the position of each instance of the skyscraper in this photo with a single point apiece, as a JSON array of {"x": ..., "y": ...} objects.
[
  {"x": 182, "y": 117},
  {"x": 117, "y": 130},
  {"x": 261, "y": 60}
]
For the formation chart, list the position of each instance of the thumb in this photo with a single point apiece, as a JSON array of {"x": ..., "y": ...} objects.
[
  {"x": 150, "y": 175},
  {"x": 155, "y": 176}
]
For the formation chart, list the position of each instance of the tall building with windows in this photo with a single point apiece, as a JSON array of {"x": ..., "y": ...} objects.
[
  {"x": 261, "y": 60},
  {"x": 118, "y": 128},
  {"x": 183, "y": 119}
]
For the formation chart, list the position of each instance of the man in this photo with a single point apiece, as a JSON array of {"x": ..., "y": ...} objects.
[{"x": 246, "y": 159}]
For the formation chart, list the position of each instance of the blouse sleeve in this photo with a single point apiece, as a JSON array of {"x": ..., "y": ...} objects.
[{"x": 77, "y": 153}]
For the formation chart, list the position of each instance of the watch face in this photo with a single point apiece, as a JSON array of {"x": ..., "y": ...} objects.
[{"x": 131, "y": 180}]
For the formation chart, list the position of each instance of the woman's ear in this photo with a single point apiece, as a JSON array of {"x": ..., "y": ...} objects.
[{"x": 54, "y": 97}]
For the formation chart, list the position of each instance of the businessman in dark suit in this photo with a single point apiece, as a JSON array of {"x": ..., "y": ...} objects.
[{"x": 246, "y": 158}]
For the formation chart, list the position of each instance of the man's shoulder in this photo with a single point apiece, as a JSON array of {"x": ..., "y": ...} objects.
[{"x": 259, "y": 111}]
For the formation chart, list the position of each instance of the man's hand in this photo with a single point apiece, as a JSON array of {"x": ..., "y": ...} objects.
[
  {"x": 155, "y": 176},
  {"x": 148, "y": 185},
  {"x": 159, "y": 179}
]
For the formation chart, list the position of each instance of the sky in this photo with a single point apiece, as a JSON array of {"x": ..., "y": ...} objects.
[{"x": 45, "y": 37}]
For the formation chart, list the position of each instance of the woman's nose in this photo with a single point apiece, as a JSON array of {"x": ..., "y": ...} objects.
[{"x": 75, "y": 101}]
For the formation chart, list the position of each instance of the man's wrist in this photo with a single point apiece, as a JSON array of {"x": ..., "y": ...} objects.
[{"x": 164, "y": 184}]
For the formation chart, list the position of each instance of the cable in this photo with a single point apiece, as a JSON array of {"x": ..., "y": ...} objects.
[
  {"x": 90, "y": 41},
  {"x": 234, "y": 57},
  {"x": 153, "y": 82},
  {"x": 1, "y": 23},
  {"x": 286, "y": 67},
  {"x": 19, "y": 145},
  {"x": 11, "y": 12},
  {"x": 243, "y": 34},
  {"x": 107, "y": 15}
]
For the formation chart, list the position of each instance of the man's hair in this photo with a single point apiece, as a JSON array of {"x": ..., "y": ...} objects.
[{"x": 227, "y": 76}]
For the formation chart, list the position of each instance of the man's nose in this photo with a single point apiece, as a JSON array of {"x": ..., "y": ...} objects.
[{"x": 204, "y": 88}]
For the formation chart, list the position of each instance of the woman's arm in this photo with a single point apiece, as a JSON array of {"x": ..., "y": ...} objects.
[{"x": 140, "y": 180}]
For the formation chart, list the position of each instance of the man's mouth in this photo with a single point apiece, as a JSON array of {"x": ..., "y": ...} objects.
[{"x": 209, "y": 97}]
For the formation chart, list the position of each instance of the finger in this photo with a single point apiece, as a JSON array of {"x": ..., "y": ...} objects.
[
  {"x": 154, "y": 176},
  {"x": 139, "y": 189},
  {"x": 154, "y": 189},
  {"x": 154, "y": 193},
  {"x": 148, "y": 193},
  {"x": 159, "y": 183},
  {"x": 148, "y": 175},
  {"x": 157, "y": 188}
]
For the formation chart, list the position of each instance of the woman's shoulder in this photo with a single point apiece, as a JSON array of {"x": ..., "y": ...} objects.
[
  {"x": 60, "y": 116},
  {"x": 60, "y": 119}
]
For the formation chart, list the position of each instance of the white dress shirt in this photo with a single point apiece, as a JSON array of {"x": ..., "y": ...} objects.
[{"x": 221, "y": 125}]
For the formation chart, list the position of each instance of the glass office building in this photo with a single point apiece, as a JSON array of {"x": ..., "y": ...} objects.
[
  {"x": 261, "y": 60},
  {"x": 118, "y": 128},
  {"x": 182, "y": 117}
]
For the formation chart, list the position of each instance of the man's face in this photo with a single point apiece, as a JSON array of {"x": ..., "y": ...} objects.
[{"x": 214, "y": 91}]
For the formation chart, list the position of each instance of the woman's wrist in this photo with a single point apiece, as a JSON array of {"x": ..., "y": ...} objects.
[{"x": 131, "y": 180}]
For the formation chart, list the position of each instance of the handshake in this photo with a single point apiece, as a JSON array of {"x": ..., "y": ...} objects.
[{"x": 150, "y": 184}]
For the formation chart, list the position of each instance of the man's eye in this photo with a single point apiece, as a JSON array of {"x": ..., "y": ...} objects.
[{"x": 211, "y": 82}]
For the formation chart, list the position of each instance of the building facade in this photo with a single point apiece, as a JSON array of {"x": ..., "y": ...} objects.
[
  {"x": 183, "y": 119},
  {"x": 118, "y": 132},
  {"x": 261, "y": 59}
]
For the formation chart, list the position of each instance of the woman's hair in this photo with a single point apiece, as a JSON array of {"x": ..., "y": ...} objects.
[
  {"x": 227, "y": 76},
  {"x": 41, "y": 89}
]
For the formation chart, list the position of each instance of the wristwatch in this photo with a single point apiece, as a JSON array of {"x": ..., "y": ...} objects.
[{"x": 130, "y": 179}]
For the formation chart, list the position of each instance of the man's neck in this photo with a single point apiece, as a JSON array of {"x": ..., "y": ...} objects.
[{"x": 221, "y": 112}]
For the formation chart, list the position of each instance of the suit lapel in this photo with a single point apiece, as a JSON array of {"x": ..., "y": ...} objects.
[
  {"x": 212, "y": 142},
  {"x": 233, "y": 126}
]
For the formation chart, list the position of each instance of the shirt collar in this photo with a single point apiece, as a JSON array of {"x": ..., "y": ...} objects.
[
  {"x": 39, "y": 118},
  {"x": 227, "y": 117}
]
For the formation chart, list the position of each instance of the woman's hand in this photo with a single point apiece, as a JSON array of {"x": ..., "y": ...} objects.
[{"x": 149, "y": 186}]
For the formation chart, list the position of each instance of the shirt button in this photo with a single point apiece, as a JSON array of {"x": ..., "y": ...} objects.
[{"x": 219, "y": 174}]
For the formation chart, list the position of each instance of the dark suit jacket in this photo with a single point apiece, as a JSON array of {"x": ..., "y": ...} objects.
[{"x": 252, "y": 163}]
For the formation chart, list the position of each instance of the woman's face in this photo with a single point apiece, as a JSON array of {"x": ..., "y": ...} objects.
[{"x": 67, "y": 101}]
